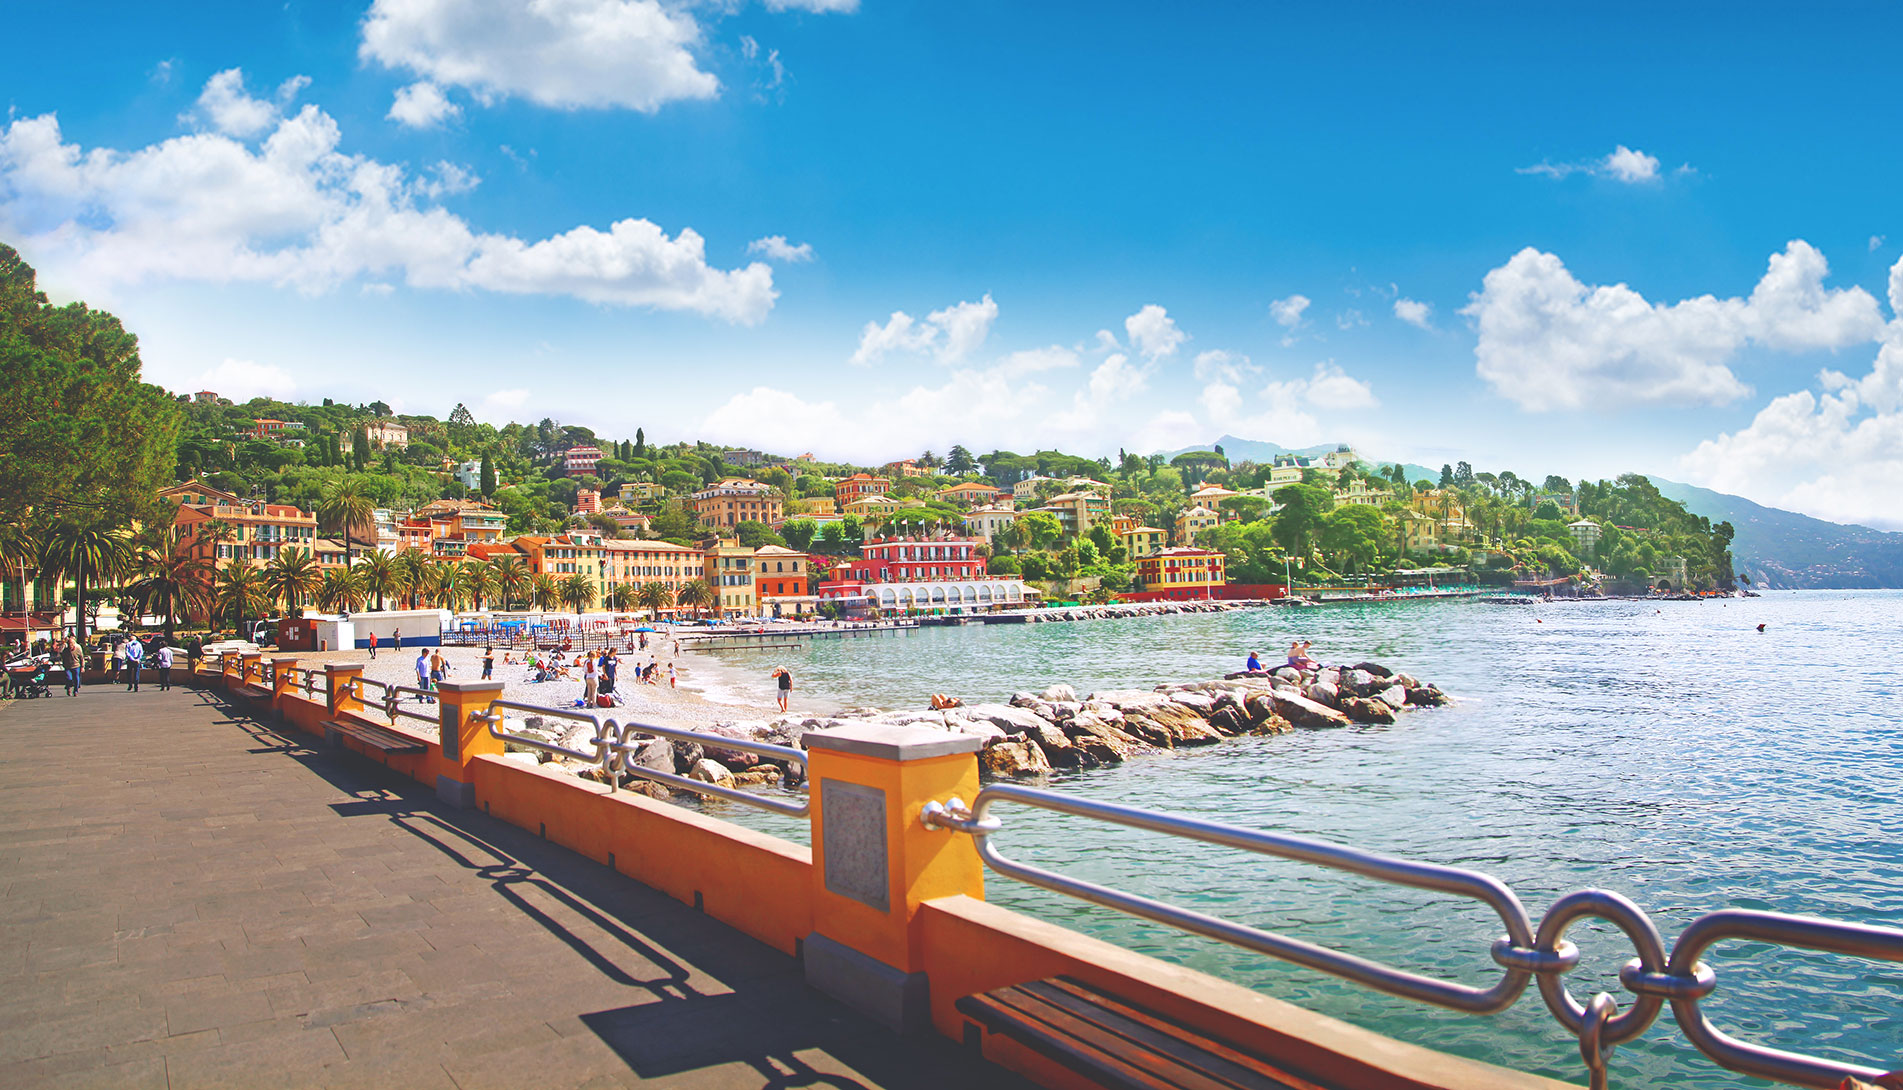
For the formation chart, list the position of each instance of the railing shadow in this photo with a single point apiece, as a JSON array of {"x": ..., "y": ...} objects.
[{"x": 758, "y": 1011}]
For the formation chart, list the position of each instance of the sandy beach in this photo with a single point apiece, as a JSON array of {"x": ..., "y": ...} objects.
[{"x": 698, "y": 701}]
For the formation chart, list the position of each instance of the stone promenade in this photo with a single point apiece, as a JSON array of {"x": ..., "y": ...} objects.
[{"x": 189, "y": 898}]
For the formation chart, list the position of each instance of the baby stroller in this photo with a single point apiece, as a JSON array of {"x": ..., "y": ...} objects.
[{"x": 26, "y": 678}]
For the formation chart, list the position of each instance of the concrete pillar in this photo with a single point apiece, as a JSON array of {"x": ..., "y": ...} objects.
[
  {"x": 874, "y": 863},
  {"x": 281, "y": 682},
  {"x": 340, "y": 694},
  {"x": 464, "y": 730},
  {"x": 248, "y": 664},
  {"x": 228, "y": 670}
]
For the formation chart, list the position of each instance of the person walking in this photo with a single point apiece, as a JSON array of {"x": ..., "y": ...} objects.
[
  {"x": 423, "y": 673},
  {"x": 438, "y": 668},
  {"x": 73, "y": 660},
  {"x": 488, "y": 663},
  {"x": 670, "y": 676},
  {"x": 164, "y": 661},
  {"x": 135, "y": 657},
  {"x": 373, "y": 647},
  {"x": 786, "y": 685}
]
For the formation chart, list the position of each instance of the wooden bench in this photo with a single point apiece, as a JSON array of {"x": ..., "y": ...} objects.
[
  {"x": 381, "y": 739},
  {"x": 256, "y": 691},
  {"x": 1116, "y": 1043}
]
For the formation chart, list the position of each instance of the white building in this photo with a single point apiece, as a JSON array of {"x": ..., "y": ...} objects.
[
  {"x": 985, "y": 522},
  {"x": 386, "y": 434},
  {"x": 469, "y": 475},
  {"x": 1586, "y": 533},
  {"x": 1026, "y": 489}
]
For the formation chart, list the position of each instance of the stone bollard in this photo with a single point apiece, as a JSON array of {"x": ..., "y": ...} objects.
[
  {"x": 340, "y": 692},
  {"x": 281, "y": 685},
  {"x": 874, "y": 862},
  {"x": 464, "y": 730}
]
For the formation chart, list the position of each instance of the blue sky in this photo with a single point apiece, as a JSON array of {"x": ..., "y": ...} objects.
[{"x": 1553, "y": 241}]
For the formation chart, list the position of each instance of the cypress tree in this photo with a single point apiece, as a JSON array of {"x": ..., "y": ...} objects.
[
  {"x": 640, "y": 443},
  {"x": 488, "y": 476}
]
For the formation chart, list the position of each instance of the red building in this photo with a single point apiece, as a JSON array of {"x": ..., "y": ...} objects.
[{"x": 908, "y": 560}]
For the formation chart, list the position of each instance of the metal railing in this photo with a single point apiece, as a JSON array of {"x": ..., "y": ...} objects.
[
  {"x": 616, "y": 742},
  {"x": 1524, "y": 953},
  {"x": 391, "y": 703}
]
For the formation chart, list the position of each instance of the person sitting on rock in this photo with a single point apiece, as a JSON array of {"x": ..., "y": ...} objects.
[
  {"x": 1254, "y": 664},
  {"x": 1298, "y": 656}
]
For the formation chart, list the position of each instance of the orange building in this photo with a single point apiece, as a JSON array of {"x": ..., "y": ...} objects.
[
  {"x": 860, "y": 486},
  {"x": 780, "y": 583}
]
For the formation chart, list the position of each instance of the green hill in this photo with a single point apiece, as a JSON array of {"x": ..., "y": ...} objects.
[{"x": 1783, "y": 549}]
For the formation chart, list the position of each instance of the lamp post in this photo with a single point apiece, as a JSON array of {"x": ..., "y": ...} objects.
[{"x": 1288, "y": 578}]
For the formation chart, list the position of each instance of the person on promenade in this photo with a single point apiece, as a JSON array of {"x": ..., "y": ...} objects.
[
  {"x": 135, "y": 657},
  {"x": 1254, "y": 664},
  {"x": 72, "y": 659},
  {"x": 438, "y": 668},
  {"x": 785, "y": 677},
  {"x": 164, "y": 661},
  {"x": 423, "y": 673},
  {"x": 396, "y": 642},
  {"x": 590, "y": 681},
  {"x": 373, "y": 647},
  {"x": 488, "y": 663},
  {"x": 194, "y": 651}
]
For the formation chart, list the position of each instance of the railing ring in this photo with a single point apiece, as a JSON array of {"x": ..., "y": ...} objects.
[{"x": 1638, "y": 927}]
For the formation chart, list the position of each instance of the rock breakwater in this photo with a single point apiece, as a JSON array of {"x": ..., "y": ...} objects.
[{"x": 1034, "y": 734}]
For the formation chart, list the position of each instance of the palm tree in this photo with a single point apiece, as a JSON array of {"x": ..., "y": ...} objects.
[
  {"x": 241, "y": 592},
  {"x": 342, "y": 590},
  {"x": 349, "y": 512},
  {"x": 511, "y": 578},
  {"x": 434, "y": 586},
  {"x": 578, "y": 592},
  {"x": 624, "y": 596},
  {"x": 696, "y": 594},
  {"x": 171, "y": 583},
  {"x": 19, "y": 552},
  {"x": 544, "y": 591},
  {"x": 478, "y": 580},
  {"x": 291, "y": 576},
  {"x": 452, "y": 586},
  {"x": 382, "y": 575},
  {"x": 86, "y": 554},
  {"x": 654, "y": 597},
  {"x": 416, "y": 573}
]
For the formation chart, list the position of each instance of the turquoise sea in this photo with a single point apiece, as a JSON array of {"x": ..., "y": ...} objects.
[{"x": 1671, "y": 753}]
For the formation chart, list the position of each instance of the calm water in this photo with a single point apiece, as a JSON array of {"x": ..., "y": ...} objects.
[{"x": 1671, "y": 753}]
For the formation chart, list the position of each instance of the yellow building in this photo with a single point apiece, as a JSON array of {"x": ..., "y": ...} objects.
[
  {"x": 1181, "y": 572},
  {"x": 873, "y": 507},
  {"x": 1077, "y": 512},
  {"x": 1193, "y": 521},
  {"x": 735, "y": 500},
  {"x": 641, "y": 492},
  {"x": 1420, "y": 531},
  {"x": 606, "y": 563},
  {"x": 728, "y": 566},
  {"x": 1142, "y": 541}
]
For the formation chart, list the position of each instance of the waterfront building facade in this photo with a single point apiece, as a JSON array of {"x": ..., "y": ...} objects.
[
  {"x": 728, "y": 566},
  {"x": 943, "y": 574},
  {"x": 1184, "y": 571},
  {"x": 780, "y": 582},
  {"x": 253, "y": 531},
  {"x": 735, "y": 500}
]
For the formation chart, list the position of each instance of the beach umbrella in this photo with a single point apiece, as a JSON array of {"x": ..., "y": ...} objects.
[{"x": 645, "y": 628}]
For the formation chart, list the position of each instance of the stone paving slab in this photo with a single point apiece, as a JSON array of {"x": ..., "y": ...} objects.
[{"x": 189, "y": 898}]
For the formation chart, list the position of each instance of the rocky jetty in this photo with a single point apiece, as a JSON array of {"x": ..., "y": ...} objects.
[
  {"x": 1034, "y": 734},
  {"x": 1122, "y": 609}
]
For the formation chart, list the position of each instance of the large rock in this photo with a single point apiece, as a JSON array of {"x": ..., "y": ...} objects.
[
  {"x": 1287, "y": 673},
  {"x": 1006, "y": 718},
  {"x": 1427, "y": 697},
  {"x": 1176, "y": 725},
  {"x": 1101, "y": 741},
  {"x": 1394, "y": 697},
  {"x": 1058, "y": 749},
  {"x": 1059, "y": 692},
  {"x": 711, "y": 771},
  {"x": 1125, "y": 699},
  {"x": 1229, "y": 720},
  {"x": 1321, "y": 692},
  {"x": 655, "y": 753},
  {"x": 1367, "y": 709},
  {"x": 1012, "y": 759},
  {"x": 1374, "y": 668},
  {"x": 1200, "y": 703},
  {"x": 1359, "y": 682},
  {"x": 1304, "y": 712}
]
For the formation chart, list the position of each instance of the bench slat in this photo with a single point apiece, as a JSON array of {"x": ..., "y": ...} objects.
[
  {"x": 376, "y": 737},
  {"x": 1118, "y": 1044}
]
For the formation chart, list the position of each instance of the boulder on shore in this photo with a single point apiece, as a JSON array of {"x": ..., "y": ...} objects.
[
  {"x": 1014, "y": 759},
  {"x": 711, "y": 771},
  {"x": 1304, "y": 712}
]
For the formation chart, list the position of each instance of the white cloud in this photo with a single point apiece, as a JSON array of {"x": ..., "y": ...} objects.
[
  {"x": 1217, "y": 365},
  {"x": 1622, "y": 164},
  {"x": 820, "y": 6},
  {"x": 1288, "y": 312},
  {"x": 776, "y": 248},
  {"x": 1332, "y": 388},
  {"x": 1349, "y": 319},
  {"x": 499, "y": 404},
  {"x": 232, "y": 111},
  {"x": 1631, "y": 166},
  {"x": 951, "y": 334},
  {"x": 1413, "y": 313},
  {"x": 1153, "y": 332},
  {"x": 422, "y": 105},
  {"x": 242, "y": 380},
  {"x": 450, "y": 178},
  {"x": 1876, "y": 243},
  {"x": 297, "y": 212},
  {"x": 1548, "y": 341},
  {"x": 632, "y": 54}
]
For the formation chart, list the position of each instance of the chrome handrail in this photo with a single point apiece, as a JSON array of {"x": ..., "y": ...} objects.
[
  {"x": 391, "y": 704},
  {"x": 613, "y": 746},
  {"x": 1653, "y": 977}
]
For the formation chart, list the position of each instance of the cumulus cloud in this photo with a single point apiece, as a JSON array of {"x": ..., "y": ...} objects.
[
  {"x": 422, "y": 105},
  {"x": 1331, "y": 388},
  {"x": 1622, "y": 164},
  {"x": 1835, "y": 452},
  {"x": 819, "y": 6},
  {"x": 1153, "y": 332},
  {"x": 1548, "y": 341},
  {"x": 1876, "y": 243},
  {"x": 295, "y": 211},
  {"x": 1288, "y": 312},
  {"x": 242, "y": 380},
  {"x": 231, "y": 110},
  {"x": 776, "y": 248},
  {"x": 950, "y": 334},
  {"x": 1413, "y": 313},
  {"x": 629, "y": 54}
]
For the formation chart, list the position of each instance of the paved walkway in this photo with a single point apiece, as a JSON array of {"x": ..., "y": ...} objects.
[{"x": 190, "y": 899}]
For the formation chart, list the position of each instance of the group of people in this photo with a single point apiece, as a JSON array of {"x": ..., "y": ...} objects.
[
  {"x": 127, "y": 661},
  {"x": 1298, "y": 657}
]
